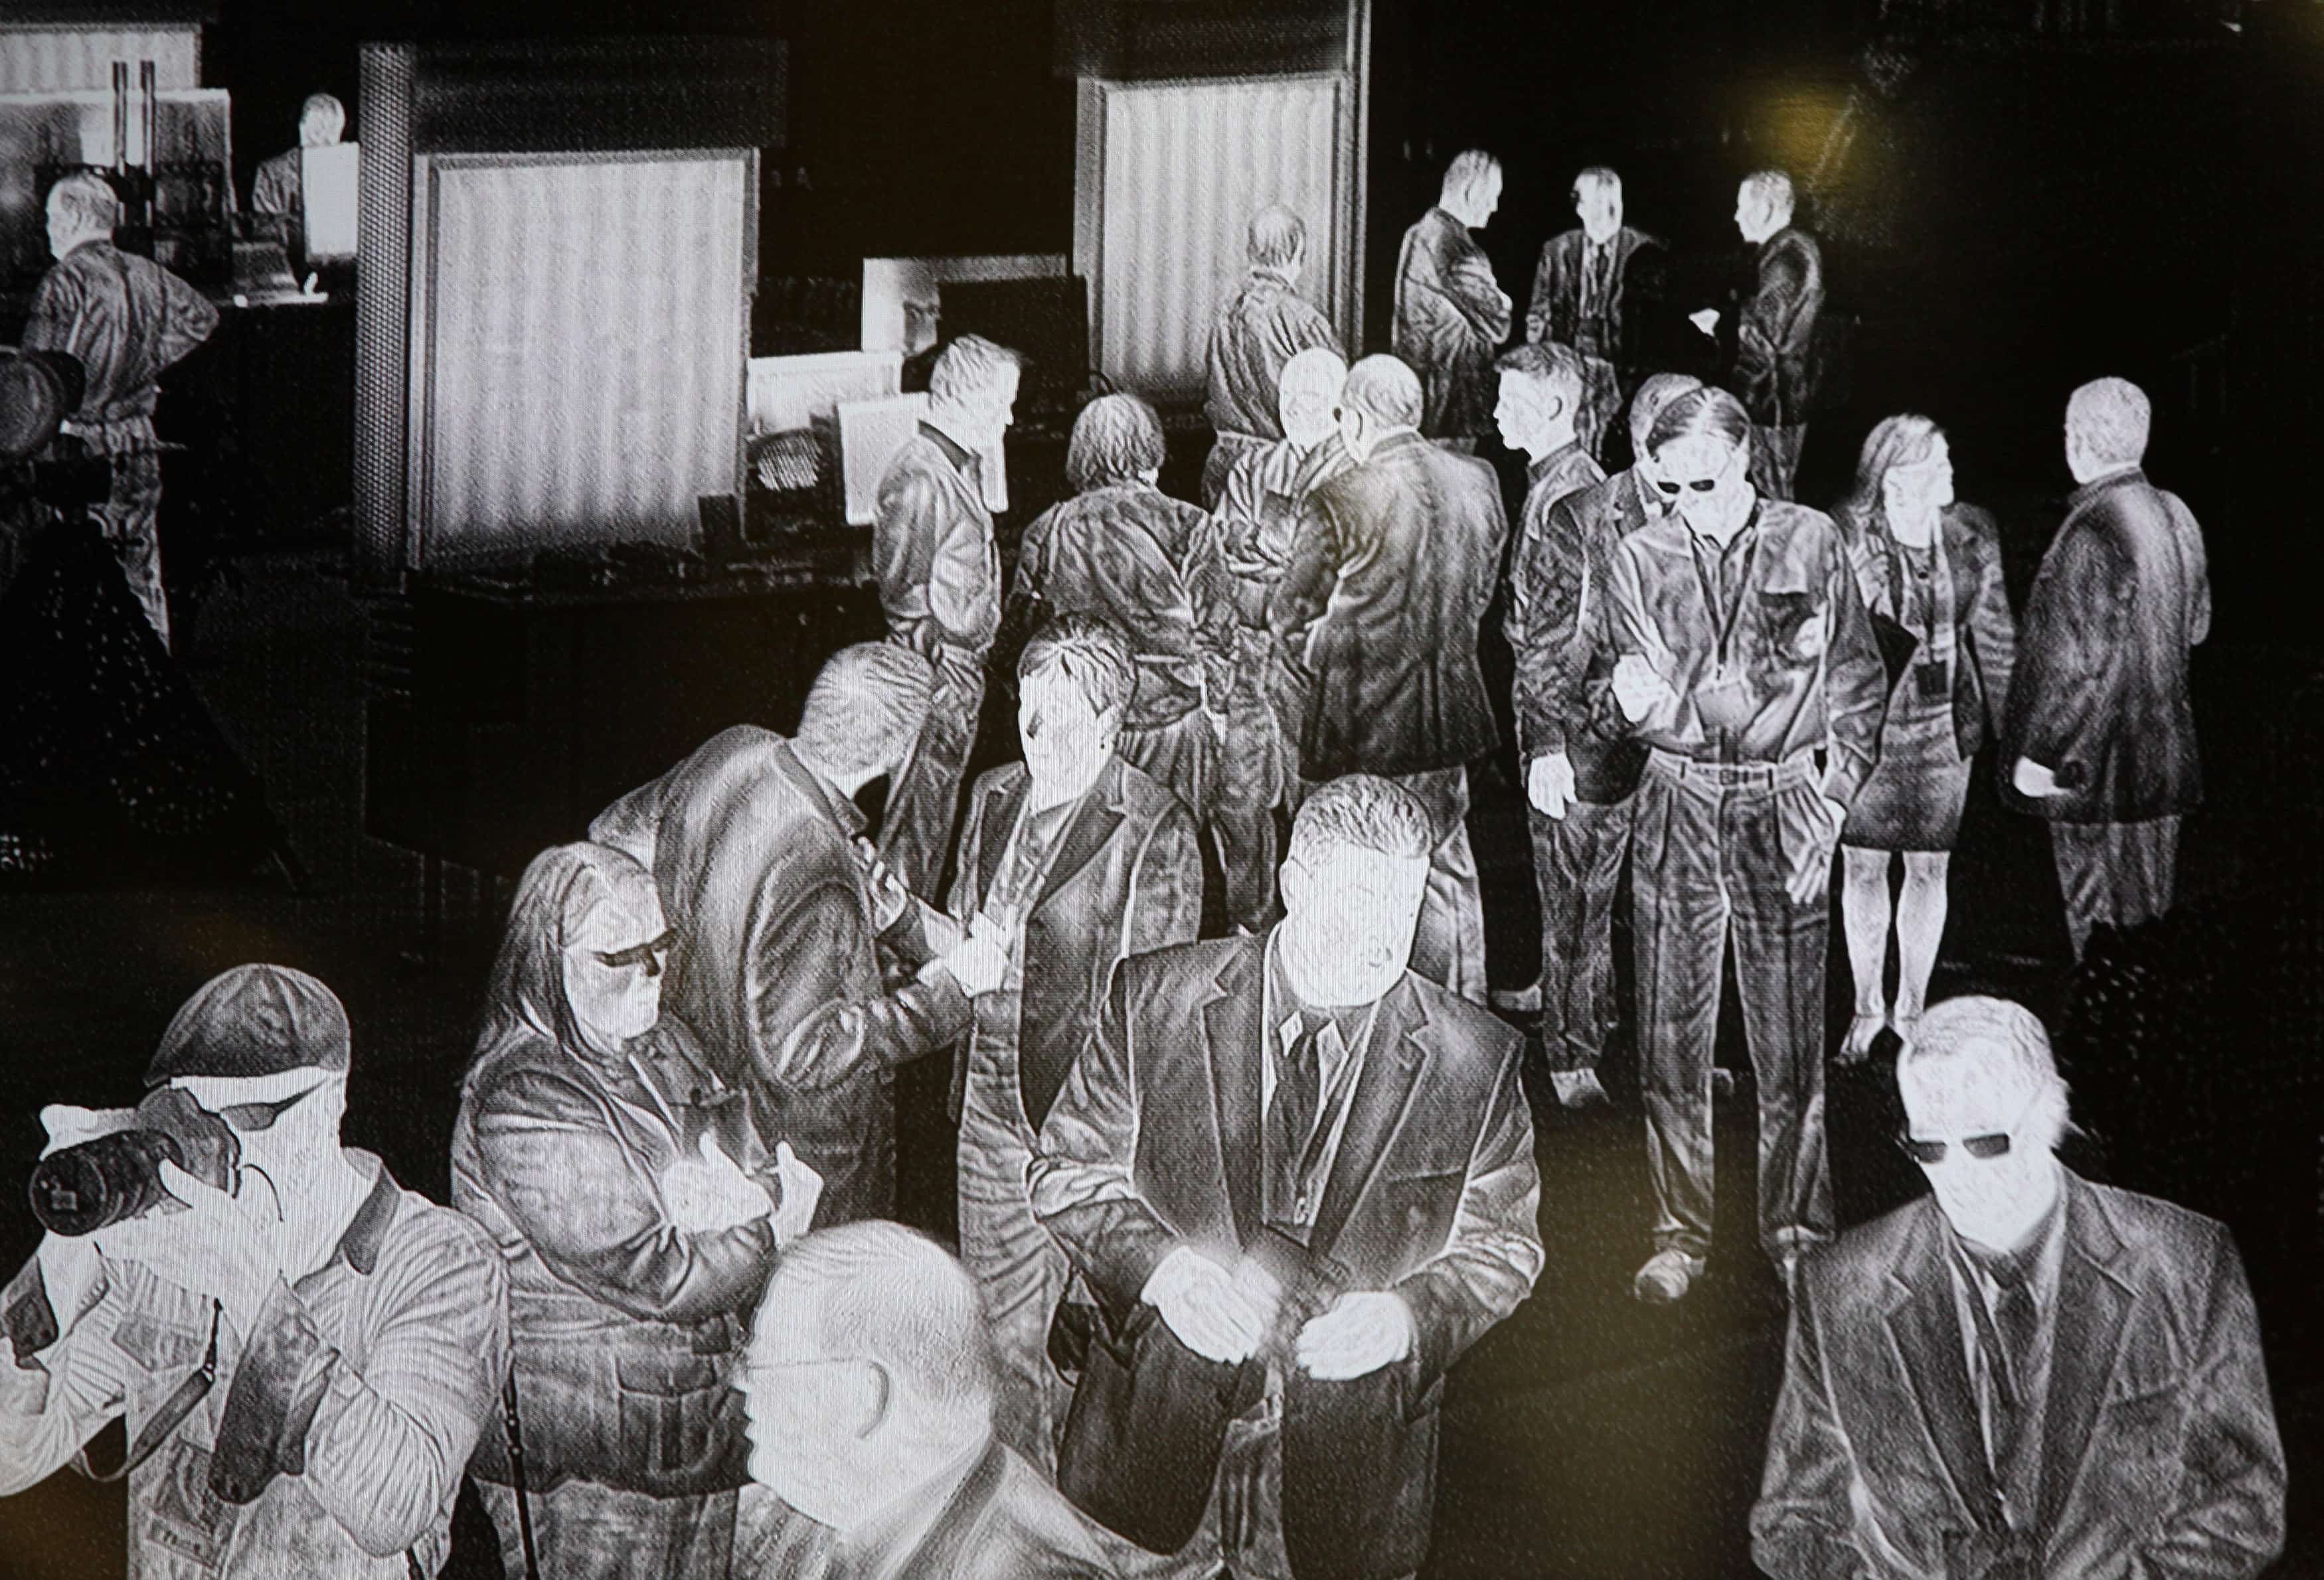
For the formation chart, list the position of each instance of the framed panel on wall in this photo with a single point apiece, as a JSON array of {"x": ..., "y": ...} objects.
[{"x": 580, "y": 333}]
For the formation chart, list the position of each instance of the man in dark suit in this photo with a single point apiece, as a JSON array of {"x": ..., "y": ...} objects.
[
  {"x": 2021, "y": 1374},
  {"x": 2101, "y": 727},
  {"x": 939, "y": 574},
  {"x": 868, "y": 1390},
  {"x": 1387, "y": 587},
  {"x": 1578, "y": 779},
  {"x": 1595, "y": 290},
  {"x": 1299, "y": 1181},
  {"x": 1262, "y": 327},
  {"x": 1774, "y": 368},
  {"x": 1081, "y": 860},
  {"x": 1450, "y": 314},
  {"x": 755, "y": 844}
]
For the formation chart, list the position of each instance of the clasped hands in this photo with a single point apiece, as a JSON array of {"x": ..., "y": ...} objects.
[
  {"x": 708, "y": 1191},
  {"x": 1226, "y": 1318}
]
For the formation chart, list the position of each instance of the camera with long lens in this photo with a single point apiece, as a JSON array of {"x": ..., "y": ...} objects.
[{"x": 80, "y": 1190}]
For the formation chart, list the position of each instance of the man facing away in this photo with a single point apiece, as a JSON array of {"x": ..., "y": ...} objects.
[
  {"x": 868, "y": 1388},
  {"x": 1774, "y": 369},
  {"x": 1451, "y": 315},
  {"x": 1260, "y": 328},
  {"x": 1299, "y": 1179},
  {"x": 128, "y": 319},
  {"x": 1080, "y": 860},
  {"x": 2101, "y": 730},
  {"x": 2021, "y": 1374},
  {"x": 757, "y": 848},
  {"x": 1595, "y": 290},
  {"x": 304, "y": 1354},
  {"x": 1387, "y": 588},
  {"x": 939, "y": 574}
]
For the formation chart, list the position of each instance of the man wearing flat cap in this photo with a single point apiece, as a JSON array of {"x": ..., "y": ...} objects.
[{"x": 303, "y": 1359}]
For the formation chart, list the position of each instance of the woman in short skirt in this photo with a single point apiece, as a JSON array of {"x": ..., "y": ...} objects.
[{"x": 1930, "y": 568}]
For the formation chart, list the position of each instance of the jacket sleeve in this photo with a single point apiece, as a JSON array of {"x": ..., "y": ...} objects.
[
  {"x": 1992, "y": 630},
  {"x": 188, "y": 319},
  {"x": 62, "y": 1377},
  {"x": 632, "y": 825},
  {"x": 56, "y": 304},
  {"x": 931, "y": 558},
  {"x": 596, "y": 1215},
  {"x": 1311, "y": 573},
  {"x": 1211, "y": 603},
  {"x": 1545, "y": 294},
  {"x": 1080, "y": 1179},
  {"x": 2228, "y": 1519},
  {"x": 2075, "y": 621},
  {"x": 1478, "y": 299},
  {"x": 380, "y": 1450},
  {"x": 1801, "y": 1526},
  {"x": 1855, "y": 686},
  {"x": 1766, "y": 325},
  {"x": 2189, "y": 536},
  {"x": 1546, "y": 579},
  {"x": 1166, "y": 888},
  {"x": 1494, "y": 1254},
  {"x": 801, "y": 1038},
  {"x": 1624, "y": 627}
]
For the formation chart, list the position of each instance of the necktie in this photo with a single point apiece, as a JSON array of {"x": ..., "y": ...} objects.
[
  {"x": 1299, "y": 1090},
  {"x": 2006, "y": 1340}
]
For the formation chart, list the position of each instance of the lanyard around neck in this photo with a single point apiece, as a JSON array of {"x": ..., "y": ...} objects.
[{"x": 1724, "y": 618}]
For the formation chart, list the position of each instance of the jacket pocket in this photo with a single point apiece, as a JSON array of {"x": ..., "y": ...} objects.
[{"x": 681, "y": 1425}]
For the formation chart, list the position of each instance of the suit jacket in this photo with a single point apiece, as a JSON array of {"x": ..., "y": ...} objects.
[
  {"x": 1985, "y": 636},
  {"x": 1554, "y": 312},
  {"x": 128, "y": 319},
  {"x": 1265, "y": 325},
  {"x": 931, "y": 548},
  {"x": 2100, "y": 696},
  {"x": 1127, "y": 878},
  {"x": 1155, "y": 1144},
  {"x": 1565, "y": 662},
  {"x": 1398, "y": 557},
  {"x": 1775, "y": 329},
  {"x": 775, "y": 967},
  {"x": 1451, "y": 316},
  {"x": 2159, "y": 1448}
]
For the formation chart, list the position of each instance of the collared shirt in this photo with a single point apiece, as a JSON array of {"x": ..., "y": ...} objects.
[
  {"x": 1340, "y": 1044},
  {"x": 126, "y": 317},
  {"x": 1970, "y": 1268},
  {"x": 342, "y": 1423},
  {"x": 1777, "y": 613}
]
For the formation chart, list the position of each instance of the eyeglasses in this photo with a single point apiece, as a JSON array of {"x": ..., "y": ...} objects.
[
  {"x": 1671, "y": 487},
  {"x": 249, "y": 1116},
  {"x": 1984, "y": 1148},
  {"x": 648, "y": 954}
]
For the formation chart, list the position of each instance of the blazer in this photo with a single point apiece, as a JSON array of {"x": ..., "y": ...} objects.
[
  {"x": 1263, "y": 326},
  {"x": 2159, "y": 1448},
  {"x": 1986, "y": 637},
  {"x": 1558, "y": 633},
  {"x": 775, "y": 967},
  {"x": 1775, "y": 331},
  {"x": 1156, "y": 1143},
  {"x": 1451, "y": 316},
  {"x": 2100, "y": 696},
  {"x": 933, "y": 550},
  {"x": 1556, "y": 308},
  {"x": 1127, "y": 878},
  {"x": 1398, "y": 558}
]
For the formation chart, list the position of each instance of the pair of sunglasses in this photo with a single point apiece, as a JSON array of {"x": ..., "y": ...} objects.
[
  {"x": 649, "y": 954},
  {"x": 1984, "y": 1148},
  {"x": 249, "y": 1116},
  {"x": 1699, "y": 484}
]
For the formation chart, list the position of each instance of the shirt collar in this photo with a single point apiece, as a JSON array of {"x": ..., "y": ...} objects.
[
  {"x": 958, "y": 453},
  {"x": 843, "y": 811},
  {"x": 2135, "y": 473},
  {"x": 2034, "y": 1262},
  {"x": 1284, "y": 1003},
  {"x": 1554, "y": 460}
]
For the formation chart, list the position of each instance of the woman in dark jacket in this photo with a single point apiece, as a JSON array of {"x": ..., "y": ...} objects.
[
  {"x": 622, "y": 1181},
  {"x": 1930, "y": 569}
]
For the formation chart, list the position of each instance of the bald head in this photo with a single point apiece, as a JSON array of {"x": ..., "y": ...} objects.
[
  {"x": 1384, "y": 389},
  {"x": 2107, "y": 426}
]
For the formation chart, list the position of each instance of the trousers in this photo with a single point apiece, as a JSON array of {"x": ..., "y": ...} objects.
[
  {"x": 924, "y": 802},
  {"x": 131, "y": 516},
  {"x": 1021, "y": 1271},
  {"x": 2117, "y": 874},
  {"x": 1577, "y": 862},
  {"x": 1710, "y": 851}
]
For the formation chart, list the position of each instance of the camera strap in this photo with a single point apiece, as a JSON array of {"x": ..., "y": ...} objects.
[{"x": 181, "y": 1403}]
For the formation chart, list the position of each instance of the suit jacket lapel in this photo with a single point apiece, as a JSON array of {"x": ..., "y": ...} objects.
[
  {"x": 1925, "y": 1328},
  {"x": 1398, "y": 1052},
  {"x": 2085, "y": 1340},
  {"x": 993, "y": 837},
  {"x": 1099, "y": 814},
  {"x": 1232, "y": 1034}
]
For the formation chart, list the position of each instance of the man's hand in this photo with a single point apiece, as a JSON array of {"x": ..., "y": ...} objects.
[
  {"x": 980, "y": 961},
  {"x": 1811, "y": 872},
  {"x": 1549, "y": 784},
  {"x": 709, "y": 1192},
  {"x": 2032, "y": 780},
  {"x": 1199, "y": 1301},
  {"x": 802, "y": 1189},
  {"x": 1640, "y": 689},
  {"x": 1364, "y": 1330},
  {"x": 1707, "y": 320},
  {"x": 231, "y": 1248}
]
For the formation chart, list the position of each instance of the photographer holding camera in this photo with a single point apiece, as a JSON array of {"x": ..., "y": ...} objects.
[{"x": 303, "y": 1352}]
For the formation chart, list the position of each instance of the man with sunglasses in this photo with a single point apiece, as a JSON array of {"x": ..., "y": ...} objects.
[
  {"x": 2021, "y": 1374},
  {"x": 1742, "y": 655},
  {"x": 304, "y": 1357}
]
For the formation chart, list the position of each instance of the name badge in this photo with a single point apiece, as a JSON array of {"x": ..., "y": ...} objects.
[{"x": 1724, "y": 702}]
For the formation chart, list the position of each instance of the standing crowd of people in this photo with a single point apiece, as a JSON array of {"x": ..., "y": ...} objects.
[{"x": 1232, "y": 1207}]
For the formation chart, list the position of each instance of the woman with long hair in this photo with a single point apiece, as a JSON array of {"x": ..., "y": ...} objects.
[
  {"x": 1929, "y": 570},
  {"x": 622, "y": 1181}
]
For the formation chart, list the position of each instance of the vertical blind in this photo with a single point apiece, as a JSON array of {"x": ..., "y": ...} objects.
[
  {"x": 1185, "y": 166},
  {"x": 584, "y": 349}
]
